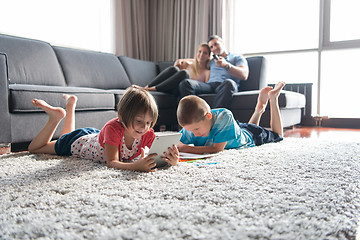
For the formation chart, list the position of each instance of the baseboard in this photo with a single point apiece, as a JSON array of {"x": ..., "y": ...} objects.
[{"x": 331, "y": 122}]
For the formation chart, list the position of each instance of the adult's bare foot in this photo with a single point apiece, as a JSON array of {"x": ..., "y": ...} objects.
[{"x": 56, "y": 113}]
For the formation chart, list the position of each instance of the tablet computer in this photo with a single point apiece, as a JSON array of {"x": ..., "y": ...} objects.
[{"x": 161, "y": 143}]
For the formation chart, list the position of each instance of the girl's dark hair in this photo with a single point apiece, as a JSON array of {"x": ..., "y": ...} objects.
[{"x": 134, "y": 102}]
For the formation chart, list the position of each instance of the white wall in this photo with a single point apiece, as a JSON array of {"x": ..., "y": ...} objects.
[{"x": 86, "y": 24}]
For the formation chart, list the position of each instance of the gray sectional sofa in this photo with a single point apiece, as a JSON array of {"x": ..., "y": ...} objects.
[{"x": 35, "y": 69}]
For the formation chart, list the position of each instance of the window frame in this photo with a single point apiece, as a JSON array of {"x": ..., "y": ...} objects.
[
  {"x": 324, "y": 45},
  {"x": 325, "y": 8}
]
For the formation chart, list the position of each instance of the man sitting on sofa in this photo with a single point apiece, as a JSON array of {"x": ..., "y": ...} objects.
[{"x": 226, "y": 71}]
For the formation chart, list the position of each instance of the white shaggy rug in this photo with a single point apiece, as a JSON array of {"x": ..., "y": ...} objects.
[{"x": 295, "y": 189}]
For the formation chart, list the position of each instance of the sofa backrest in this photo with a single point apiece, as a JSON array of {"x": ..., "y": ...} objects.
[
  {"x": 257, "y": 74},
  {"x": 164, "y": 64},
  {"x": 83, "y": 68},
  {"x": 140, "y": 72},
  {"x": 31, "y": 61}
]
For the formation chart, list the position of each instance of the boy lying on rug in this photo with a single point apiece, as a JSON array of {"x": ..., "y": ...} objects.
[
  {"x": 119, "y": 141},
  {"x": 211, "y": 131}
]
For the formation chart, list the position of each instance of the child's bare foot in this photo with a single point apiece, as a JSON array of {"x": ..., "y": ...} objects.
[
  {"x": 276, "y": 91},
  {"x": 263, "y": 99},
  {"x": 150, "y": 89},
  {"x": 138, "y": 87},
  {"x": 56, "y": 113},
  {"x": 70, "y": 100}
]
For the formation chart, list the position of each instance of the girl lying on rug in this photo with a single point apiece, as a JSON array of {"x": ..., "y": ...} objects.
[
  {"x": 212, "y": 131},
  {"x": 117, "y": 143}
]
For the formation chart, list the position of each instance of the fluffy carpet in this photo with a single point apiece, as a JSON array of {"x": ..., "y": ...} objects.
[{"x": 295, "y": 189}]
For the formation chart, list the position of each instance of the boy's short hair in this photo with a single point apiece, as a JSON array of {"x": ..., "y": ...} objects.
[
  {"x": 134, "y": 102},
  {"x": 191, "y": 109}
]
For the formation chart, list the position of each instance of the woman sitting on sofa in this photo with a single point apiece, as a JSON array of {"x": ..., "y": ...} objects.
[{"x": 196, "y": 69}]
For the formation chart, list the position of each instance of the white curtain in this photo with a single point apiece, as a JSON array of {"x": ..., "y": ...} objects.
[{"x": 162, "y": 30}]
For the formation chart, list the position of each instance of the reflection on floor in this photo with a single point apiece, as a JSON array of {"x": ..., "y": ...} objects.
[{"x": 345, "y": 134}]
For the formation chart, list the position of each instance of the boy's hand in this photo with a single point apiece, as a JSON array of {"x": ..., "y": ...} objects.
[
  {"x": 145, "y": 164},
  {"x": 216, "y": 147},
  {"x": 181, "y": 147},
  {"x": 172, "y": 157}
]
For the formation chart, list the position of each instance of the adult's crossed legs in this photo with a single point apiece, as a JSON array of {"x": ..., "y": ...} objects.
[{"x": 193, "y": 87}]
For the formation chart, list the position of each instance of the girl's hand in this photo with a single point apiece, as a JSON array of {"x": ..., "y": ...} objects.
[
  {"x": 145, "y": 164},
  {"x": 172, "y": 157}
]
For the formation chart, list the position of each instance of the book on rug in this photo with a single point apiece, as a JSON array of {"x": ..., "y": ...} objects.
[{"x": 184, "y": 157}]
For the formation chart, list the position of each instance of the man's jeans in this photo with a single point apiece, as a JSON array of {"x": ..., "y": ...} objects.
[{"x": 223, "y": 90}]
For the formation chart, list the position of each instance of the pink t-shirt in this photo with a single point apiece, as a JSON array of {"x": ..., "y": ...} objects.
[
  {"x": 113, "y": 132},
  {"x": 92, "y": 146}
]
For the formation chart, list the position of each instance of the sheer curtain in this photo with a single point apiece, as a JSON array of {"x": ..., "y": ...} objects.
[{"x": 161, "y": 30}]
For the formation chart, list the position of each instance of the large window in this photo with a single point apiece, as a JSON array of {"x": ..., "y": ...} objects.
[
  {"x": 276, "y": 25},
  {"x": 304, "y": 41},
  {"x": 340, "y": 83},
  {"x": 344, "y": 20}
]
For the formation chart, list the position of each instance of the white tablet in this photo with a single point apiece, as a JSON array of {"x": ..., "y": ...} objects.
[{"x": 162, "y": 141}]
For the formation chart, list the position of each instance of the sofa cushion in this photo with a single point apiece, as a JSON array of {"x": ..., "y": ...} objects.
[
  {"x": 248, "y": 99},
  {"x": 21, "y": 96},
  {"x": 289, "y": 99},
  {"x": 92, "y": 69},
  {"x": 31, "y": 61},
  {"x": 163, "y": 100},
  {"x": 140, "y": 72}
]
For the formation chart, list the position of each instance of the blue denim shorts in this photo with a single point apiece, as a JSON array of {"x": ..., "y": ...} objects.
[
  {"x": 63, "y": 144},
  {"x": 260, "y": 135}
]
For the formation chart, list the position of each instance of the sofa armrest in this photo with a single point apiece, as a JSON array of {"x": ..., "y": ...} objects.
[
  {"x": 257, "y": 74},
  {"x": 5, "y": 123},
  {"x": 306, "y": 89}
]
